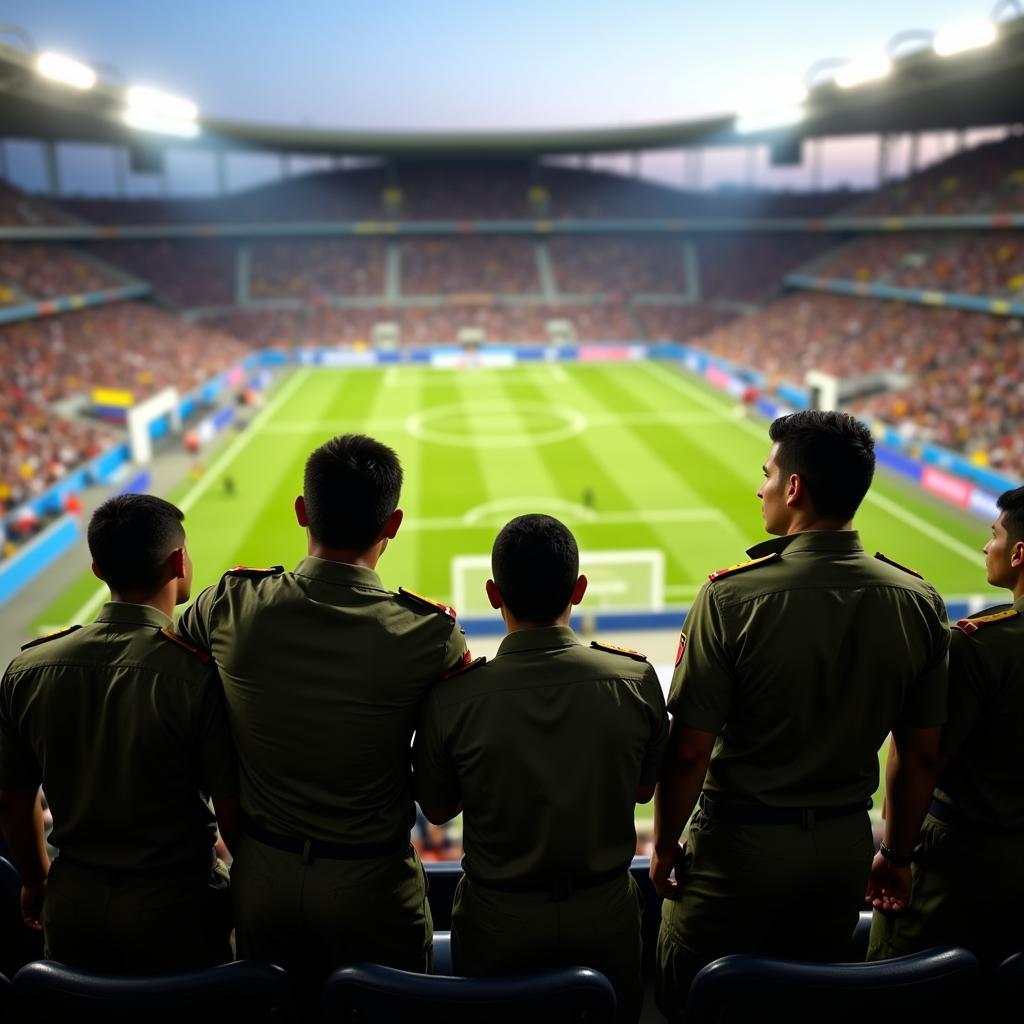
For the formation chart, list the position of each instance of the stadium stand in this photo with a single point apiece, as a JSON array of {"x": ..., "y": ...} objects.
[
  {"x": 301, "y": 269},
  {"x": 48, "y": 272},
  {"x": 466, "y": 265}
]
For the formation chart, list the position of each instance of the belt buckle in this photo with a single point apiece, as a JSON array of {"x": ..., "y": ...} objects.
[{"x": 561, "y": 888}]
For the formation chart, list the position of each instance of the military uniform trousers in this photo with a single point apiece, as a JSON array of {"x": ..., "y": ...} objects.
[
  {"x": 774, "y": 890},
  {"x": 967, "y": 890},
  {"x": 312, "y": 916},
  {"x": 136, "y": 923},
  {"x": 496, "y": 932}
]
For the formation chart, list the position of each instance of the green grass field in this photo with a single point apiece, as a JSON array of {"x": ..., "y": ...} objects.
[{"x": 672, "y": 466}]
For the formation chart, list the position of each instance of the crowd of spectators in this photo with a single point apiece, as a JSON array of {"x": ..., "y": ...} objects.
[
  {"x": 680, "y": 323},
  {"x": 964, "y": 371},
  {"x": 20, "y": 210},
  {"x": 618, "y": 265},
  {"x": 49, "y": 272},
  {"x": 750, "y": 267},
  {"x": 462, "y": 265},
  {"x": 301, "y": 269},
  {"x": 262, "y": 328},
  {"x": 183, "y": 273}
]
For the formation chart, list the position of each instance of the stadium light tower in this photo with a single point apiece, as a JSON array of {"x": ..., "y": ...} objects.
[
  {"x": 153, "y": 110},
  {"x": 66, "y": 70},
  {"x": 862, "y": 70},
  {"x": 971, "y": 35}
]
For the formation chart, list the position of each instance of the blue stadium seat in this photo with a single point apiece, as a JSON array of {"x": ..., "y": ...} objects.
[
  {"x": 859, "y": 939},
  {"x": 936, "y": 985},
  {"x": 369, "y": 993},
  {"x": 442, "y": 878},
  {"x": 442, "y": 960},
  {"x": 244, "y": 990}
]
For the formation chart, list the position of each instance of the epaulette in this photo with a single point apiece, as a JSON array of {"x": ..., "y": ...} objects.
[
  {"x": 49, "y": 636},
  {"x": 744, "y": 566},
  {"x": 182, "y": 642},
  {"x": 969, "y": 626},
  {"x": 612, "y": 649},
  {"x": 249, "y": 573},
  {"x": 466, "y": 666},
  {"x": 437, "y": 606},
  {"x": 889, "y": 561}
]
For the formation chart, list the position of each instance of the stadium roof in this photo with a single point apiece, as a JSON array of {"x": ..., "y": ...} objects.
[{"x": 923, "y": 93}]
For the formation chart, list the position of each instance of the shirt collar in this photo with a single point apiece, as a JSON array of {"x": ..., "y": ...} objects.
[
  {"x": 542, "y": 638},
  {"x": 1018, "y": 606},
  {"x": 133, "y": 614},
  {"x": 809, "y": 540},
  {"x": 340, "y": 573}
]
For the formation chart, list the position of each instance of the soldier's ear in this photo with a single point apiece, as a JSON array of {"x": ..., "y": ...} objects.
[
  {"x": 393, "y": 523},
  {"x": 579, "y": 590},
  {"x": 177, "y": 562},
  {"x": 96, "y": 572},
  {"x": 1017, "y": 555},
  {"x": 795, "y": 490},
  {"x": 494, "y": 595},
  {"x": 300, "y": 511}
]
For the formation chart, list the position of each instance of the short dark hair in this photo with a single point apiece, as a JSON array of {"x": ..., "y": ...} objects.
[
  {"x": 1011, "y": 504},
  {"x": 130, "y": 538},
  {"x": 832, "y": 452},
  {"x": 535, "y": 563},
  {"x": 351, "y": 486}
]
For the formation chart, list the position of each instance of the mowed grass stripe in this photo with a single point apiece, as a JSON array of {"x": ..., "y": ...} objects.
[{"x": 607, "y": 460}]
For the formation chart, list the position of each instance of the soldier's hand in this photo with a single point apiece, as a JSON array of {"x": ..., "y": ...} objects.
[
  {"x": 888, "y": 886},
  {"x": 663, "y": 863},
  {"x": 32, "y": 905}
]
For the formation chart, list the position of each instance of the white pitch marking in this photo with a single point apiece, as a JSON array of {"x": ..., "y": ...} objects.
[
  {"x": 489, "y": 508},
  {"x": 492, "y": 517},
  {"x": 202, "y": 485},
  {"x": 886, "y": 504}
]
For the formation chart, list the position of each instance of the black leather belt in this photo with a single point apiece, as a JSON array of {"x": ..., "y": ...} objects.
[
  {"x": 317, "y": 849},
  {"x": 733, "y": 812},
  {"x": 558, "y": 887},
  {"x": 951, "y": 816}
]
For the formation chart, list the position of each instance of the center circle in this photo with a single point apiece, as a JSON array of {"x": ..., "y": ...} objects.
[{"x": 484, "y": 426}]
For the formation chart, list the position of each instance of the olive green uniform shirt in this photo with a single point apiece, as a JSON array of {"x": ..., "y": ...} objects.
[
  {"x": 546, "y": 746},
  {"x": 985, "y": 732},
  {"x": 125, "y": 728},
  {"x": 803, "y": 663},
  {"x": 324, "y": 671}
]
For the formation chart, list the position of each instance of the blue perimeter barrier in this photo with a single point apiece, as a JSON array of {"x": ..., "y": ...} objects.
[{"x": 39, "y": 553}]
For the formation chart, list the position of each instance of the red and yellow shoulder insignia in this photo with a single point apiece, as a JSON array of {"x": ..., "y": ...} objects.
[
  {"x": 249, "y": 573},
  {"x": 49, "y": 636},
  {"x": 612, "y": 649},
  {"x": 889, "y": 561},
  {"x": 466, "y": 665},
  {"x": 421, "y": 600},
  {"x": 744, "y": 566},
  {"x": 969, "y": 626},
  {"x": 182, "y": 642}
]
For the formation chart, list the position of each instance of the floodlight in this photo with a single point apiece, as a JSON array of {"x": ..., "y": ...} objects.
[
  {"x": 149, "y": 122},
  {"x": 971, "y": 35},
  {"x": 65, "y": 70},
  {"x": 862, "y": 70},
  {"x": 766, "y": 120},
  {"x": 161, "y": 104}
]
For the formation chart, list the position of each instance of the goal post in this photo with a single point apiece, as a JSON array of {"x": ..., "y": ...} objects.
[{"x": 618, "y": 581}]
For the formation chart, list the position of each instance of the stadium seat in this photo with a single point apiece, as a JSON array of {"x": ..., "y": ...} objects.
[
  {"x": 442, "y": 878},
  {"x": 244, "y": 990},
  {"x": 442, "y": 958},
  {"x": 935, "y": 985},
  {"x": 859, "y": 939},
  {"x": 370, "y": 993}
]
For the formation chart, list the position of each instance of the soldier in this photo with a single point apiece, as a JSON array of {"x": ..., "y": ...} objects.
[
  {"x": 793, "y": 668},
  {"x": 547, "y": 748},
  {"x": 124, "y": 724},
  {"x": 323, "y": 671},
  {"x": 967, "y": 887}
]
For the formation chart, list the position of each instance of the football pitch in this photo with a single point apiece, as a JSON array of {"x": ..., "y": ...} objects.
[{"x": 655, "y": 473}]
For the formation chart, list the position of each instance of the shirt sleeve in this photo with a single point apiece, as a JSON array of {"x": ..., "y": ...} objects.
[
  {"x": 218, "y": 762},
  {"x": 435, "y": 778},
  {"x": 968, "y": 686},
  {"x": 650, "y": 771},
  {"x": 196, "y": 621},
  {"x": 19, "y": 766},
  {"x": 703, "y": 681},
  {"x": 456, "y": 651},
  {"x": 927, "y": 701}
]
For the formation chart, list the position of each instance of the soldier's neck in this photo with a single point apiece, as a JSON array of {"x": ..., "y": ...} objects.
[
  {"x": 804, "y": 521},
  {"x": 368, "y": 559},
  {"x": 164, "y": 600},
  {"x": 1018, "y": 589},
  {"x": 514, "y": 625}
]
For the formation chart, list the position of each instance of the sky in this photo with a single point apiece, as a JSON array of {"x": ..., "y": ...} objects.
[{"x": 432, "y": 64}]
